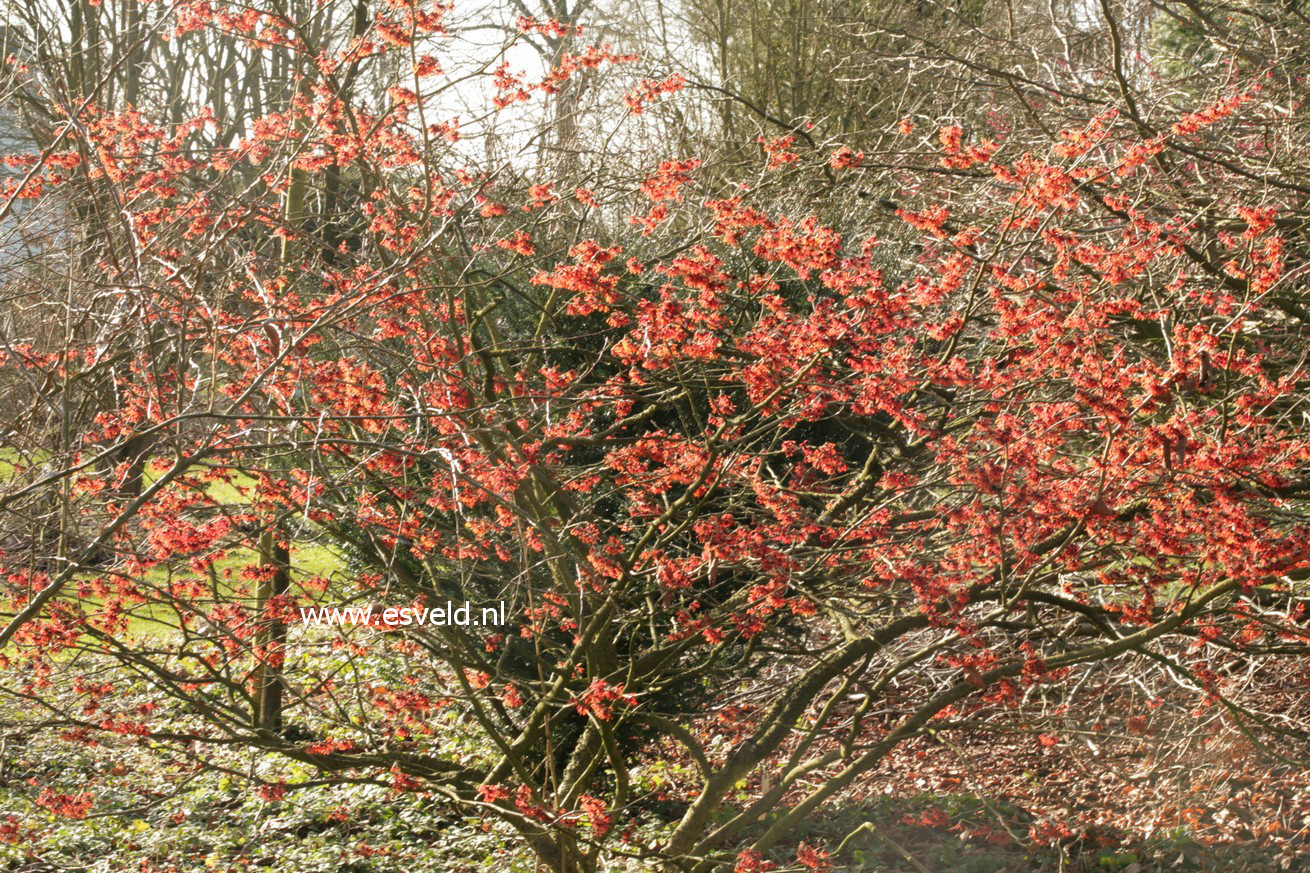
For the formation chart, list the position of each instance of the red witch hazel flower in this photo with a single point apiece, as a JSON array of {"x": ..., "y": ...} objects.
[
  {"x": 648, "y": 91},
  {"x": 492, "y": 793},
  {"x": 845, "y": 158},
  {"x": 597, "y": 814},
  {"x": 599, "y": 699},
  {"x": 668, "y": 179},
  {"x": 812, "y": 858},
  {"x": 272, "y": 792},
  {"x": 65, "y": 805},
  {"x": 751, "y": 861},
  {"x": 520, "y": 243},
  {"x": 777, "y": 151},
  {"x": 594, "y": 291}
]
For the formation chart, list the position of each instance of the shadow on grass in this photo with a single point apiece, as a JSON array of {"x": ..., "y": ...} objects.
[{"x": 963, "y": 833}]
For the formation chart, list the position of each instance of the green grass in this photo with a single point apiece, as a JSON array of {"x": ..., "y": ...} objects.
[
  {"x": 11, "y": 459},
  {"x": 157, "y": 617}
]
